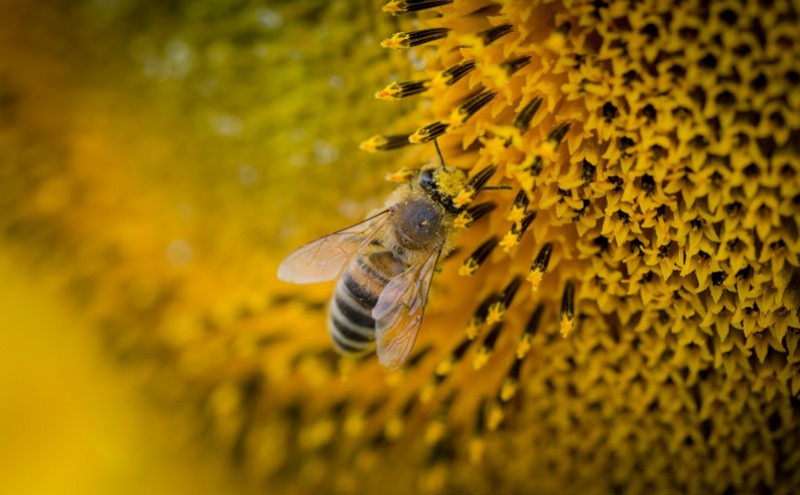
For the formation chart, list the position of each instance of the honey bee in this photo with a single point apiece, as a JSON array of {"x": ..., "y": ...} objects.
[{"x": 384, "y": 265}]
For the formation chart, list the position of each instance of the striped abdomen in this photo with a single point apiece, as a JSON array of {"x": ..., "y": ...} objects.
[{"x": 350, "y": 321}]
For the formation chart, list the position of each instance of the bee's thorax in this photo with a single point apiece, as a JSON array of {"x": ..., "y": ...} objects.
[{"x": 419, "y": 224}]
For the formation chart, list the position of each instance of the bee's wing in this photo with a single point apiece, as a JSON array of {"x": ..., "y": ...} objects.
[
  {"x": 398, "y": 313},
  {"x": 325, "y": 258}
]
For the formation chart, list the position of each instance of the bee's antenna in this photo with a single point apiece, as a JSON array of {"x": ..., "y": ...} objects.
[
  {"x": 498, "y": 188},
  {"x": 441, "y": 158}
]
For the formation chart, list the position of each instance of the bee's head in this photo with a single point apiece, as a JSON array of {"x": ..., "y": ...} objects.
[
  {"x": 449, "y": 187},
  {"x": 442, "y": 185}
]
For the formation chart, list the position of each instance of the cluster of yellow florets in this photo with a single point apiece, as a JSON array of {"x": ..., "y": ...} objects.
[{"x": 657, "y": 151}]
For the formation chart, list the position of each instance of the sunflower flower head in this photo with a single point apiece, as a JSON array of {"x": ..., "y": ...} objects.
[
  {"x": 620, "y": 311},
  {"x": 649, "y": 220}
]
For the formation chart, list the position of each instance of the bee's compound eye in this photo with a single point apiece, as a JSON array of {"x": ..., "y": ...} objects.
[{"x": 426, "y": 179}]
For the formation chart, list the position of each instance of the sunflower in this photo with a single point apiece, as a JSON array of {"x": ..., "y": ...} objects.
[{"x": 624, "y": 319}]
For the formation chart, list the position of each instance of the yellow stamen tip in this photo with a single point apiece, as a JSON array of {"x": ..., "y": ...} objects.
[
  {"x": 463, "y": 198},
  {"x": 444, "y": 367},
  {"x": 523, "y": 347},
  {"x": 473, "y": 327},
  {"x": 496, "y": 313},
  {"x": 516, "y": 215},
  {"x": 373, "y": 144},
  {"x": 495, "y": 418},
  {"x": 456, "y": 118},
  {"x": 509, "y": 240},
  {"x": 535, "y": 278},
  {"x": 390, "y": 92},
  {"x": 567, "y": 325},
  {"x": 509, "y": 390},
  {"x": 462, "y": 221},
  {"x": 438, "y": 82},
  {"x": 419, "y": 136},
  {"x": 400, "y": 176},
  {"x": 393, "y": 8},
  {"x": 398, "y": 40},
  {"x": 434, "y": 432},
  {"x": 468, "y": 267},
  {"x": 481, "y": 358}
]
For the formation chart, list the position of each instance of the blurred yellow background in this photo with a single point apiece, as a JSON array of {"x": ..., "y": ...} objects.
[
  {"x": 147, "y": 154},
  {"x": 72, "y": 423}
]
